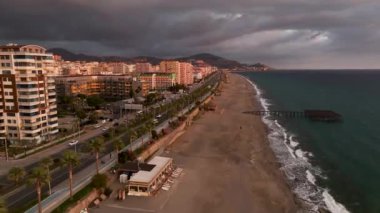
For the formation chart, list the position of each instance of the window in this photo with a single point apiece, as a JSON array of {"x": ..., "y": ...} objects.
[
  {"x": 11, "y": 114},
  {"x": 4, "y": 57},
  {"x": 24, "y": 64},
  {"x": 6, "y": 72},
  {"x": 23, "y": 57},
  {"x": 12, "y": 127}
]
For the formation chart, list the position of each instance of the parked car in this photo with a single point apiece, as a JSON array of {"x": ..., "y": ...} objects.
[{"x": 155, "y": 121}]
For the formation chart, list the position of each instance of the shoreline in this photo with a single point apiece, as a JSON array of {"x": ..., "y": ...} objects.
[
  {"x": 267, "y": 184},
  {"x": 302, "y": 182}
]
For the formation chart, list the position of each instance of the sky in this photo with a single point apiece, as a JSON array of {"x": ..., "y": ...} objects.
[{"x": 280, "y": 33}]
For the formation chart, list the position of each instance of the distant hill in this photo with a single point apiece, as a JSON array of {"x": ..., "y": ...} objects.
[
  {"x": 214, "y": 60},
  {"x": 207, "y": 57}
]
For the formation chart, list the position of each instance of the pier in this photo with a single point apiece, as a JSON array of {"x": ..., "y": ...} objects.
[{"x": 313, "y": 115}]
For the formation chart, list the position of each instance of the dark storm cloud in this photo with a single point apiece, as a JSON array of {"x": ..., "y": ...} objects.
[{"x": 282, "y": 33}]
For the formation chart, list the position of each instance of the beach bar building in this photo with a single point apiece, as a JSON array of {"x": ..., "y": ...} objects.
[{"x": 144, "y": 183}]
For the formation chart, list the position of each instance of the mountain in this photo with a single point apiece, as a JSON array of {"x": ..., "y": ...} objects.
[
  {"x": 214, "y": 60},
  {"x": 69, "y": 56},
  {"x": 206, "y": 57}
]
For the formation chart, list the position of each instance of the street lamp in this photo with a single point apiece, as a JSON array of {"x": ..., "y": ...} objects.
[
  {"x": 25, "y": 150},
  {"x": 6, "y": 149}
]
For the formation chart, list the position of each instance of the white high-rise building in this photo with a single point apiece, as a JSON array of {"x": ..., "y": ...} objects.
[{"x": 28, "y": 108}]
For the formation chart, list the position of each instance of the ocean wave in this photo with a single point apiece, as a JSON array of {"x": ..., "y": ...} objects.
[{"x": 301, "y": 174}]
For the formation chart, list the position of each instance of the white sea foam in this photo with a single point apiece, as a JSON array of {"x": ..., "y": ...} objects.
[
  {"x": 301, "y": 174},
  {"x": 310, "y": 177},
  {"x": 332, "y": 205},
  {"x": 294, "y": 143}
]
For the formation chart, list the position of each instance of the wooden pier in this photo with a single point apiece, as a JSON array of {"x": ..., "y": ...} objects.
[{"x": 314, "y": 115}]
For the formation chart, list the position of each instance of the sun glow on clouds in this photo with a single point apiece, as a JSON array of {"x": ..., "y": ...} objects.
[{"x": 279, "y": 39}]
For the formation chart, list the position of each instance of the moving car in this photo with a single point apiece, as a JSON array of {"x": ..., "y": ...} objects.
[{"x": 73, "y": 142}]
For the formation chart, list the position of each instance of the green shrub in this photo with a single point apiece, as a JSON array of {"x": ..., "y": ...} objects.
[{"x": 99, "y": 181}]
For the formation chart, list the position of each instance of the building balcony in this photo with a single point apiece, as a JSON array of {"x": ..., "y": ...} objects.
[{"x": 54, "y": 131}]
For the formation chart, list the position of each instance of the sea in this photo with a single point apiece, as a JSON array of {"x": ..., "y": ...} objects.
[{"x": 335, "y": 166}]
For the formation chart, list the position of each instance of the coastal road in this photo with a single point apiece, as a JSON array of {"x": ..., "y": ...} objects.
[{"x": 60, "y": 174}]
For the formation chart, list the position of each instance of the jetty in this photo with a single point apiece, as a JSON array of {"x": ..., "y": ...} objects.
[{"x": 311, "y": 114}]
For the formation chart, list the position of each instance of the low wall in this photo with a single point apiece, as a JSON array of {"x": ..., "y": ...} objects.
[{"x": 85, "y": 202}]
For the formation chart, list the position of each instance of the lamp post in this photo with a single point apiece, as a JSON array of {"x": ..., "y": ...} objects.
[
  {"x": 6, "y": 149},
  {"x": 25, "y": 150}
]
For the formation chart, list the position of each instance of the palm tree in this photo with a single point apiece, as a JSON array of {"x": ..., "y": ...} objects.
[
  {"x": 96, "y": 146},
  {"x": 38, "y": 177},
  {"x": 132, "y": 136},
  {"x": 118, "y": 144},
  {"x": 3, "y": 208},
  {"x": 70, "y": 159},
  {"x": 16, "y": 174},
  {"x": 47, "y": 163}
]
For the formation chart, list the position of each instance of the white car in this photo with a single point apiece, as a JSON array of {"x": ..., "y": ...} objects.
[
  {"x": 158, "y": 116},
  {"x": 155, "y": 121},
  {"x": 105, "y": 129},
  {"x": 73, "y": 142}
]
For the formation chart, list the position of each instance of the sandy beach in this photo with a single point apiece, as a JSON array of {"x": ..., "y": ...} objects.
[
  {"x": 228, "y": 168},
  {"x": 228, "y": 165}
]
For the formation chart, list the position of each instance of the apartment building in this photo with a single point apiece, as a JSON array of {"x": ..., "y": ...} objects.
[
  {"x": 171, "y": 66},
  {"x": 158, "y": 80},
  {"x": 28, "y": 109},
  {"x": 186, "y": 72},
  {"x": 111, "y": 87},
  {"x": 144, "y": 67}
]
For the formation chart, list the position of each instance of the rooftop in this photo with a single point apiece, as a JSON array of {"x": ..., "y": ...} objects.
[{"x": 148, "y": 176}]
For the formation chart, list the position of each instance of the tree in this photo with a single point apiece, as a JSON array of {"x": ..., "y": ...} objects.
[
  {"x": 38, "y": 177},
  {"x": 132, "y": 135},
  {"x": 81, "y": 114},
  {"x": 47, "y": 163},
  {"x": 99, "y": 181},
  {"x": 95, "y": 101},
  {"x": 93, "y": 117},
  {"x": 70, "y": 159},
  {"x": 96, "y": 146},
  {"x": 118, "y": 144},
  {"x": 3, "y": 208},
  {"x": 16, "y": 174}
]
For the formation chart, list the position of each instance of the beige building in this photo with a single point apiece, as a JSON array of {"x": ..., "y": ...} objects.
[
  {"x": 145, "y": 183},
  {"x": 28, "y": 109},
  {"x": 186, "y": 72},
  {"x": 171, "y": 66},
  {"x": 158, "y": 80}
]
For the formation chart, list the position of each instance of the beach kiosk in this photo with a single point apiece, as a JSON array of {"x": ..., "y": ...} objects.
[{"x": 144, "y": 183}]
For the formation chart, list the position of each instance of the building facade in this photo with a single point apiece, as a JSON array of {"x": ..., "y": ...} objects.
[
  {"x": 186, "y": 72},
  {"x": 171, "y": 66},
  {"x": 144, "y": 67},
  {"x": 28, "y": 108},
  {"x": 111, "y": 87},
  {"x": 158, "y": 80}
]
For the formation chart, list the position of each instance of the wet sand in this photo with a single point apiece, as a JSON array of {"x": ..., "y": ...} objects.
[{"x": 228, "y": 164}]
